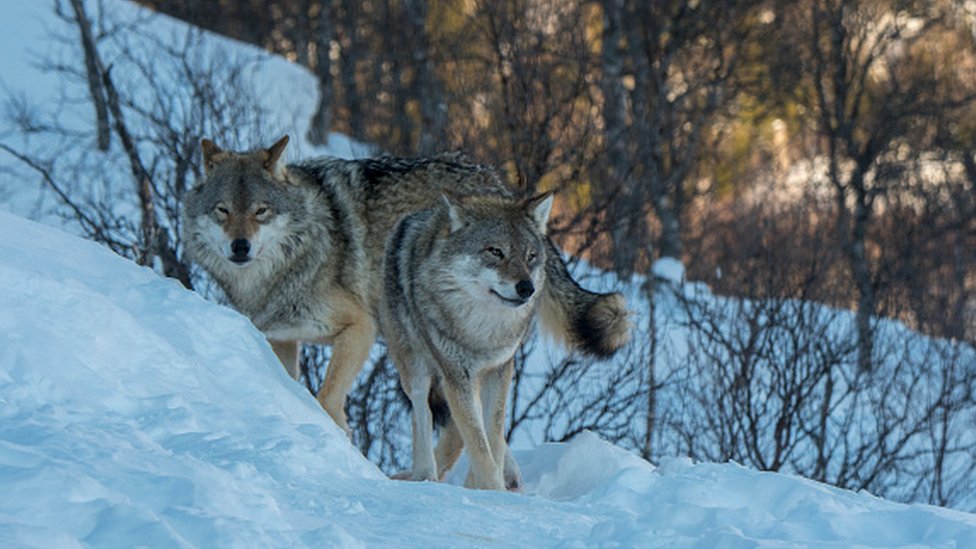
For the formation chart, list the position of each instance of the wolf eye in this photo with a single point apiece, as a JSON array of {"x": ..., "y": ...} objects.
[
  {"x": 495, "y": 252},
  {"x": 222, "y": 211},
  {"x": 263, "y": 214},
  {"x": 533, "y": 256}
]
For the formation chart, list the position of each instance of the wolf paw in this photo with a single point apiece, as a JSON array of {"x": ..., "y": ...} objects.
[
  {"x": 409, "y": 474},
  {"x": 514, "y": 484},
  {"x": 489, "y": 482},
  {"x": 512, "y": 473}
]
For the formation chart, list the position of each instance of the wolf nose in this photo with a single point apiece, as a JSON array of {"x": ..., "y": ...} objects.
[
  {"x": 524, "y": 289},
  {"x": 240, "y": 247}
]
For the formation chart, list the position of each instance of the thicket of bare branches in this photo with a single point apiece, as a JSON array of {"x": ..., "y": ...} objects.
[
  {"x": 777, "y": 383},
  {"x": 120, "y": 176}
]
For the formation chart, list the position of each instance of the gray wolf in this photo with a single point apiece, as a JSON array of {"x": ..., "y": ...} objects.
[
  {"x": 461, "y": 289},
  {"x": 299, "y": 250}
]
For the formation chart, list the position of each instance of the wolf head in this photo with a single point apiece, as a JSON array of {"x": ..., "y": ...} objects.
[
  {"x": 237, "y": 213},
  {"x": 497, "y": 246}
]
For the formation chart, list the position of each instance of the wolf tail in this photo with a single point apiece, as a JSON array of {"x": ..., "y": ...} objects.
[{"x": 596, "y": 324}]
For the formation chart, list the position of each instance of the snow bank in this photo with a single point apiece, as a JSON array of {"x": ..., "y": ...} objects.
[
  {"x": 129, "y": 404},
  {"x": 133, "y": 412}
]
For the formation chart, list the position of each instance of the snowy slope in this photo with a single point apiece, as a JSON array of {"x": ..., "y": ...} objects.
[{"x": 133, "y": 412}]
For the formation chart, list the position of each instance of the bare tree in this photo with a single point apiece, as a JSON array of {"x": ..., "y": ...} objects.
[
  {"x": 668, "y": 69},
  {"x": 869, "y": 96}
]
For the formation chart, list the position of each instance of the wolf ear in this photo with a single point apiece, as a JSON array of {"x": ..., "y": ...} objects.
[
  {"x": 210, "y": 150},
  {"x": 274, "y": 153},
  {"x": 454, "y": 212},
  {"x": 538, "y": 208}
]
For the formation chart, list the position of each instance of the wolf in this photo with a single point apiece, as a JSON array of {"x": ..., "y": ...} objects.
[
  {"x": 299, "y": 249},
  {"x": 462, "y": 282}
]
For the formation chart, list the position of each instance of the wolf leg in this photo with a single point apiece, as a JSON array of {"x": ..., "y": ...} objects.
[
  {"x": 464, "y": 402},
  {"x": 512, "y": 472},
  {"x": 350, "y": 349},
  {"x": 449, "y": 447},
  {"x": 494, "y": 397},
  {"x": 424, "y": 463},
  {"x": 288, "y": 352}
]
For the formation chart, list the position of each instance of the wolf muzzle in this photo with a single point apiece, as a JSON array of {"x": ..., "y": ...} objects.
[
  {"x": 524, "y": 289},
  {"x": 239, "y": 249}
]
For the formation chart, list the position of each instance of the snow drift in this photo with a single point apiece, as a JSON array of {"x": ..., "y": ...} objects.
[{"x": 133, "y": 412}]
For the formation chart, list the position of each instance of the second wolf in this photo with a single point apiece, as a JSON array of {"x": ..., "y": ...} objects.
[
  {"x": 461, "y": 288},
  {"x": 299, "y": 250}
]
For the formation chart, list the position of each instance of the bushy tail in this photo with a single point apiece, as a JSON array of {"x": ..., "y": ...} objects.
[{"x": 596, "y": 324}]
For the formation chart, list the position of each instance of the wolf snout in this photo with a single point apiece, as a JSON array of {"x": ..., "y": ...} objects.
[
  {"x": 240, "y": 248},
  {"x": 525, "y": 289}
]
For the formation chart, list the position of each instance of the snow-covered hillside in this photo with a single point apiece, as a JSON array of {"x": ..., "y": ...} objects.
[{"x": 133, "y": 412}]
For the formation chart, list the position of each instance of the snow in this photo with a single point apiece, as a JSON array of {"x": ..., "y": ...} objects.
[
  {"x": 134, "y": 412},
  {"x": 669, "y": 269}
]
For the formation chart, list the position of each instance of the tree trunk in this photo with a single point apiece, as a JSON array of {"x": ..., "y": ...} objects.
[
  {"x": 93, "y": 69},
  {"x": 650, "y": 414},
  {"x": 617, "y": 187},
  {"x": 349, "y": 61},
  {"x": 668, "y": 212},
  {"x": 861, "y": 270},
  {"x": 321, "y": 125},
  {"x": 427, "y": 89},
  {"x": 140, "y": 175}
]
